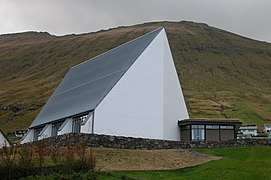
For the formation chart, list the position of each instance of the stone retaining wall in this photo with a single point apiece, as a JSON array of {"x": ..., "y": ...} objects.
[{"x": 94, "y": 140}]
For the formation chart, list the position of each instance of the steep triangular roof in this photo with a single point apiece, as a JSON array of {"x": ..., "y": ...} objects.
[{"x": 86, "y": 84}]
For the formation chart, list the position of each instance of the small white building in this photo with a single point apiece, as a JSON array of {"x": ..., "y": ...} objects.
[
  {"x": 3, "y": 140},
  {"x": 249, "y": 130},
  {"x": 20, "y": 133},
  {"x": 267, "y": 128},
  {"x": 131, "y": 90}
]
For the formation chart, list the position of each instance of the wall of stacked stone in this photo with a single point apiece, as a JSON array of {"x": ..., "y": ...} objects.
[{"x": 94, "y": 140}]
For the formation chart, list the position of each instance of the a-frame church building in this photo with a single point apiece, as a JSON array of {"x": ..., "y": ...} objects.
[{"x": 132, "y": 90}]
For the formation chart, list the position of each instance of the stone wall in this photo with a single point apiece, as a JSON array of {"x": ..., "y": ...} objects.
[{"x": 94, "y": 140}]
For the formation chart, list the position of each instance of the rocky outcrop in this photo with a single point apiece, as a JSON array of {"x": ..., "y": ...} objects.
[{"x": 13, "y": 108}]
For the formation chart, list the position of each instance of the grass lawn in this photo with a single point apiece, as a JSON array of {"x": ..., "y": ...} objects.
[{"x": 238, "y": 163}]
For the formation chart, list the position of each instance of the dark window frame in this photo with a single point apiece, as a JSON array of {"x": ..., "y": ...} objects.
[
  {"x": 37, "y": 132},
  {"x": 77, "y": 121},
  {"x": 55, "y": 128},
  {"x": 198, "y": 128}
]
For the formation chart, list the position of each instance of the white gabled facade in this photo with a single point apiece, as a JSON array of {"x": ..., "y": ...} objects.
[
  {"x": 147, "y": 101},
  {"x": 46, "y": 132},
  {"x": 3, "y": 140},
  {"x": 28, "y": 137},
  {"x": 66, "y": 127},
  {"x": 87, "y": 124}
]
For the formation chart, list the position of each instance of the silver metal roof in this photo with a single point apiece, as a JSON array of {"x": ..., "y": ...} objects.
[{"x": 86, "y": 84}]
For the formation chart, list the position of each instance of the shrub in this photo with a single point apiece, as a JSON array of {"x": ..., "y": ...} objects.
[
  {"x": 25, "y": 160},
  {"x": 7, "y": 155},
  {"x": 55, "y": 154},
  {"x": 78, "y": 162},
  {"x": 86, "y": 159},
  {"x": 41, "y": 152},
  {"x": 69, "y": 158}
]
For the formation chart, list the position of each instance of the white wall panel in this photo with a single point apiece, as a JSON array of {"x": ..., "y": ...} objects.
[
  {"x": 87, "y": 127},
  {"x": 174, "y": 103},
  {"x": 148, "y": 100},
  {"x": 28, "y": 136},
  {"x": 46, "y": 132},
  {"x": 3, "y": 141},
  {"x": 134, "y": 107},
  {"x": 66, "y": 127}
]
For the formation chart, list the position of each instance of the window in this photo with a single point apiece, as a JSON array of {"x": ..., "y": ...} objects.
[
  {"x": 76, "y": 123},
  {"x": 198, "y": 133},
  {"x": 55, "y": 128},
  {"x": 36, "y": 133},
  {"x": 212, "y": 127},
  {"x": 226, "y": 127},
  {"x": 230, "y": 127}
]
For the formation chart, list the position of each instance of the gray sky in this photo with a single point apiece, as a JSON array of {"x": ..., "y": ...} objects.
[{"x": 249, "y": 18}]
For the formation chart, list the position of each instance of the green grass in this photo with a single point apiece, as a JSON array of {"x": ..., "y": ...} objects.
[
  {"x": 238, "y": 163},
  {"x": 244, "y": 112}
]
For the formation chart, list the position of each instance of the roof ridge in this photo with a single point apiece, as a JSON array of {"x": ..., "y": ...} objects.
[{"x": 95, "y": 57}]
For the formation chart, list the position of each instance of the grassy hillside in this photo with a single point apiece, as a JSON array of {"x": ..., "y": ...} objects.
[{"x": 223, "y": 75}]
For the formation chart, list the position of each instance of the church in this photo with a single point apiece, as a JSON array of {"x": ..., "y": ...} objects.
[{"x": 132, "y": 90}]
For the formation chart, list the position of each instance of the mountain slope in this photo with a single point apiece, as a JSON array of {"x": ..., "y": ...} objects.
[{"x": 223, "y": 75}]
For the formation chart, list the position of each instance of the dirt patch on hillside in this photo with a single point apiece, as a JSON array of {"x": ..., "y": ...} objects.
[{"x": 123, "y": 159}]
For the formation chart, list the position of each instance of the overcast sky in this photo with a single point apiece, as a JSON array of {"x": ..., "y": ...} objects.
[{"x": 250, "y": 18}]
